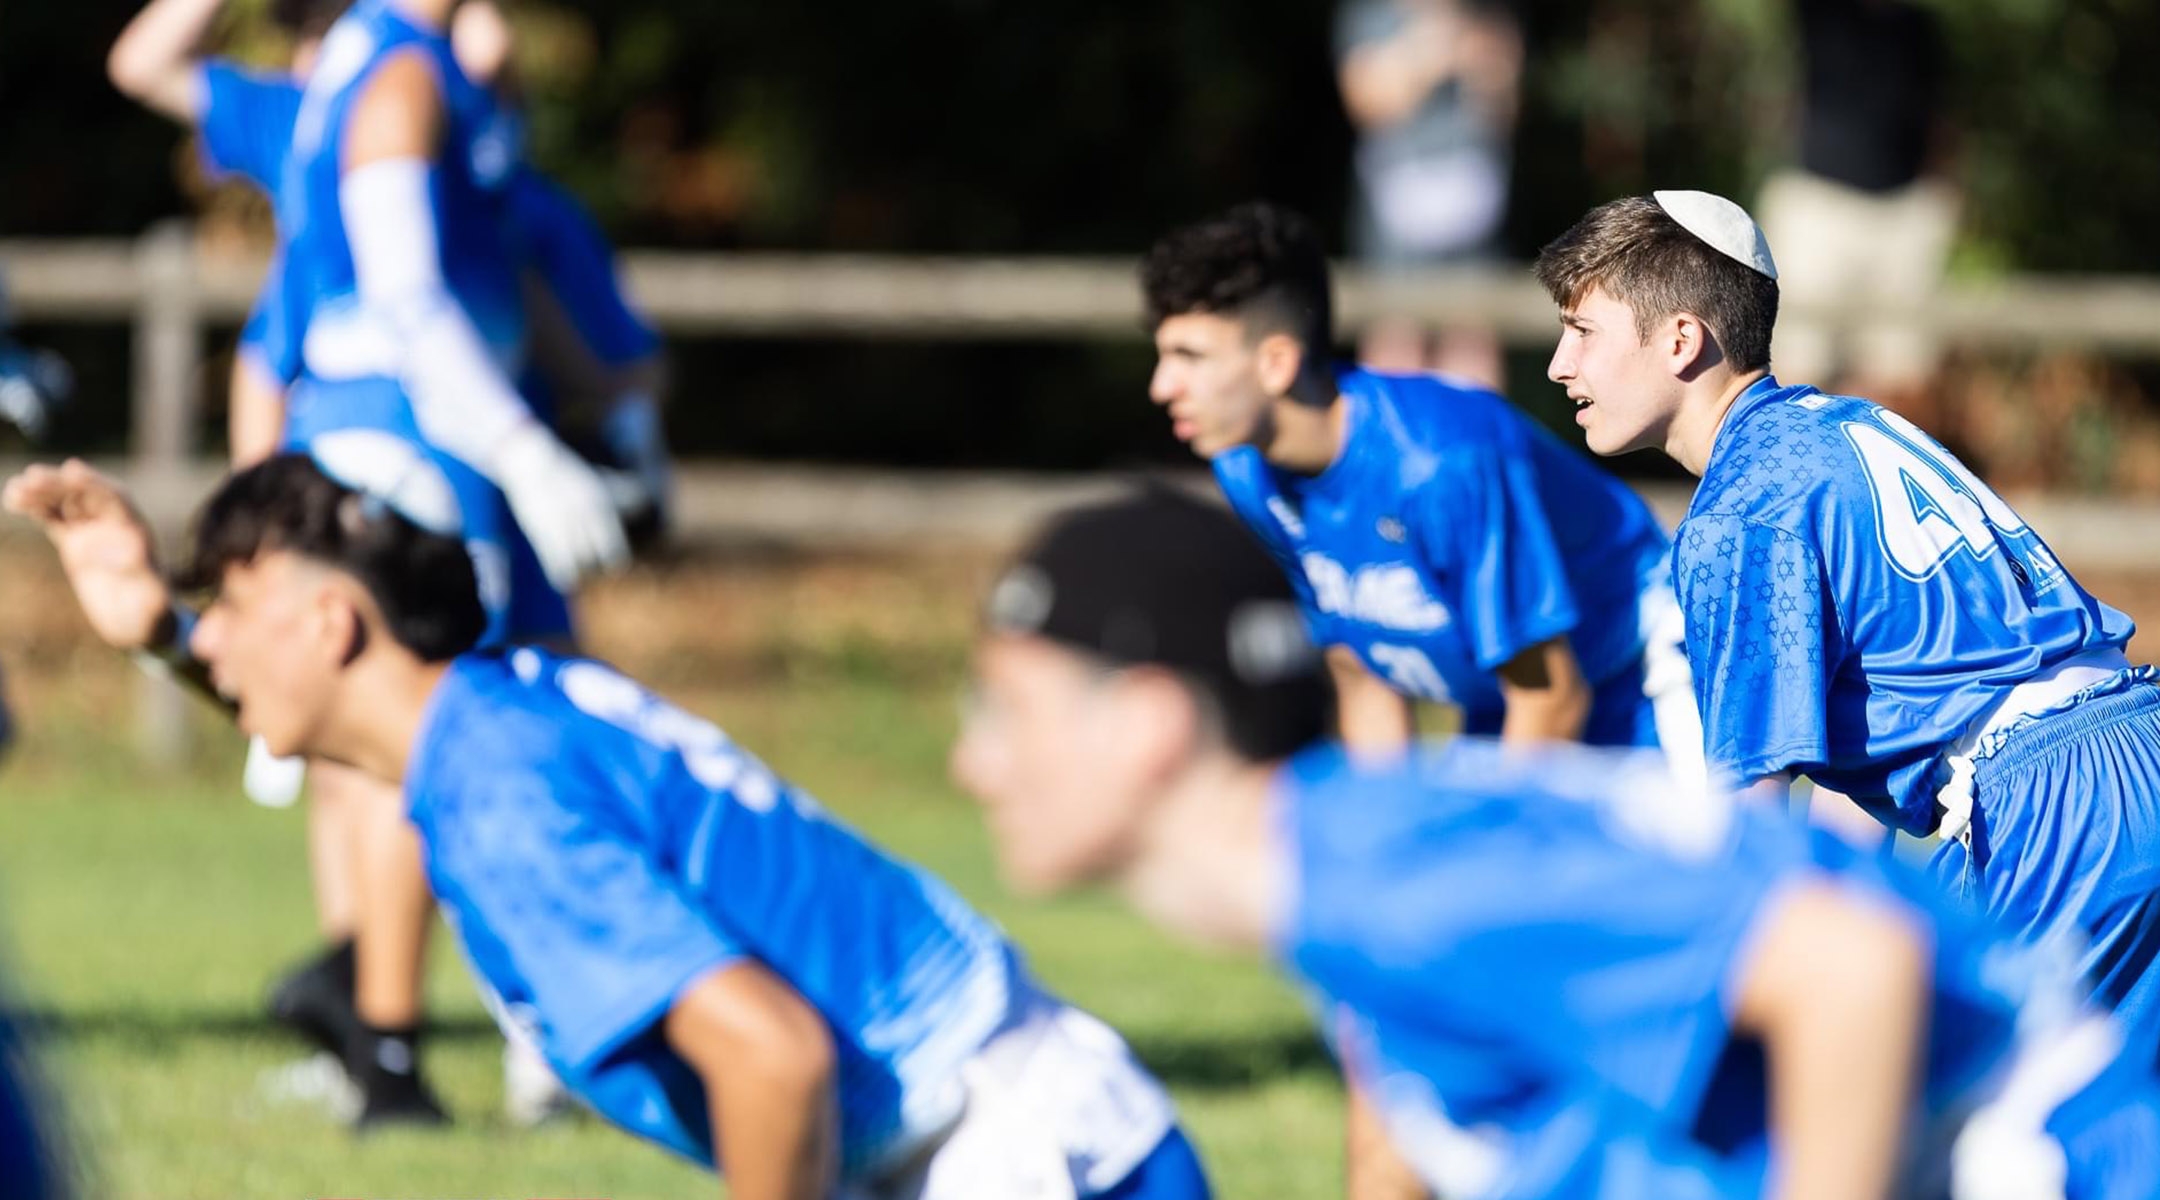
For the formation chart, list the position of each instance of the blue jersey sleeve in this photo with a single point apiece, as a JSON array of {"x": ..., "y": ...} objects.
[
  {"x": 247, "y": 121},
  {"x": 1482, "y": 523},
  {"x": 602, "y": 940},
  {"x": 1761, "y": 639},
  {"x": 558, "y": 239}
]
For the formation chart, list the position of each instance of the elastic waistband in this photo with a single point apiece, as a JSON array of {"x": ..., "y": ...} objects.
[
  {"x": 2040, "y": 695},
  {"x": 2127, "y": 694}
]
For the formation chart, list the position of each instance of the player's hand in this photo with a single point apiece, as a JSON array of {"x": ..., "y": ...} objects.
[
  {"x": 104, "y": 546},
  {"x": 561, "y": 505}
]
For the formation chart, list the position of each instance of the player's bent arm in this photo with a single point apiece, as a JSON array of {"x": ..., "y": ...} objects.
[
  {"x": 1548, "y": 700},
  {"x": 1384, "y": 82},
  {"x": 1841, "y": 815},
  {"x": 460, "y": 398},
  {"x": 256, "y": 422},
  {"x": 767, "y": 1062},
  {"x": 1374, "y": 719},
  {"x": 1835, "y": 987},
  {"x": 106, "y": 551},
  {"x": 1373, "y": 1169},
  {"x": 154, "y": 61}
]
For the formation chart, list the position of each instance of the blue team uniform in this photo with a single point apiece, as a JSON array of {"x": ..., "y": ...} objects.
[
  {"x": 1528, "y": 964},
  {"x": 1453, "y": 533},
  {"x": 1861, "y": 609},
  {"x": 342, "y": 384},
  {"x": 247, "y": 128},
  {"x": 552, "y": 235},
  {"x": 597, "y": 849}
]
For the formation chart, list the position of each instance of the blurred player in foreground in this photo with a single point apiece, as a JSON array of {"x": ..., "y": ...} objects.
[
  {"x": 1863, "y": 610},
  {"x": 708, "y": 960},
  {"x": 1557, "y": 972},
  {"x": 1444, "y": 547}
]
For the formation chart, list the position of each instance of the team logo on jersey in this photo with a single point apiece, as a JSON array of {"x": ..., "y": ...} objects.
[
  {"x": 1386, "y": 594},
  {"x": 1391, "y": 530},
  {"x": 1286, "y": 516}
]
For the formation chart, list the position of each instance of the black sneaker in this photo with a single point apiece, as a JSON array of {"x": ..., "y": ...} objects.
[
  {"x": 413, "y": 1107},
  {"x": 386, "y": 1065},
  {"x": 315, "y": 1000}
]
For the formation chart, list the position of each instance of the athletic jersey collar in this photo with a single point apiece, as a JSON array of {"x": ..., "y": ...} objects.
[
  {"x": 1339, "y": 474},
  {"x": 434, "y": 720},
  {"x": 1752, "y": 397}
]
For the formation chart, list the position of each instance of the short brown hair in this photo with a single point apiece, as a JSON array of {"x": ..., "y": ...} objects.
[{"x": 1636, "y": 252}]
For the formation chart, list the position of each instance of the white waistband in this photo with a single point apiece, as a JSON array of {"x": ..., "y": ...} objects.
[
  {"x": 2032, "y": 697},
  {"x": 2042, "y": 692}
]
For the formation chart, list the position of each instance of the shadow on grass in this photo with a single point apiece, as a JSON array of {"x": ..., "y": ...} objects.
[
  {"x": 163, "y": 1027},
  {"x": 1200, "y": 1061},
  {"x": 1234, "y": 1062}
]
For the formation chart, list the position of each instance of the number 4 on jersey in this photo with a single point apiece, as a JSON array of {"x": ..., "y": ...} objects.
[{"x": 1928, "y": 505}]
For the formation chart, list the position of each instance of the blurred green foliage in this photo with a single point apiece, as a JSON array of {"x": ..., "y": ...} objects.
[{"x": 1086, "y": 125}]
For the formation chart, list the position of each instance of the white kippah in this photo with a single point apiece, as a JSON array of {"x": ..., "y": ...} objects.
[
  {"x": 1725, "y": 226},
  {"x": 390, "y": 471}
]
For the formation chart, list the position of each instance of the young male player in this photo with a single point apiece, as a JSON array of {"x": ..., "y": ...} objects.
[
  {"x": 1443, "y": 546},
  {"x": 1558, "y": 974},
  {"x": 708, "y": 960},
  {"x": 1861, "y": 609}
]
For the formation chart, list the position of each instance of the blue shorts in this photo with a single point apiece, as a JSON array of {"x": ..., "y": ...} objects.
[
  {"x": 2066, "y": 843},
  {"x": 2110, "y": 1135},
  {"x": 1171, "y": 1171},
  {"x": 522, "y": 605}
]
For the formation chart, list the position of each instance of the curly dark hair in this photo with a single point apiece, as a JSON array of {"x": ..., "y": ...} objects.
[
  {"x": 423, "y": 582},
  {"x": 1259, "y": 262}
]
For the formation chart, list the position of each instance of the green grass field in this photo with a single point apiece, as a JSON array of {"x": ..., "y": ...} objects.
[{"x": 147, "y": 911}]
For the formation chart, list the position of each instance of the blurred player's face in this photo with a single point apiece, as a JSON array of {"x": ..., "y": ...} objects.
[
  {"x": 1048, "y": 747},
  {"x": 275, "y": 639},
  {"x": 1624, "y": 390},
  {"x": 1209, "y": 375},
  {"x": 480, "y": 40}
]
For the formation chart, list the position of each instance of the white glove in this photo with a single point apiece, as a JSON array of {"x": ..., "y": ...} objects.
[{"x": 560, "y": 504}]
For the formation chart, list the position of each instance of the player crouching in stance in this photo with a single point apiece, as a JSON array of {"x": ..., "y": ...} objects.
[
  {"x": 1556, "y": 972},
  {"x": 707, "y": 960},
  {"x": 1443, "y": 545},
  {"x": 1861, "y": 608}
]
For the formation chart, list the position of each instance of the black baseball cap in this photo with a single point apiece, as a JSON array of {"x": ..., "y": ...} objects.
[{"x": 1160, "y": 578}]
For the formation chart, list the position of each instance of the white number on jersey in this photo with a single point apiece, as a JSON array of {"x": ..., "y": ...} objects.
[
  {"x": 710, "y": 757},
  {"x": 1927, "y": 504}
]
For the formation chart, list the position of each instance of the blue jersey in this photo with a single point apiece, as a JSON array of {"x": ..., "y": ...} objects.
[
  {"x": 341, "y": 345},
  {"x": 597, "y": 849},
  {"x": 553, "y": 235},
  {"x": 246, "y": 121},
  {"x": 1855, "y": 597},
  {"x": 1544, "y": 950},
  {"x": 245, "y": 127},
  {"x": 1451, "y": 534}
]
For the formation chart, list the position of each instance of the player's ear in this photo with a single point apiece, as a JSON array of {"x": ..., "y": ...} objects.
[
  {"x": 1688, "y": 345},
  {"x": 1160, "y": 719},
  {"x": 1280, "y": 358}
]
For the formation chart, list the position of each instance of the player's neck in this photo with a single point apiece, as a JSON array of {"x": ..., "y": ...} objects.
[
  {"x": 1209, "y": 865},
  {"x": 1709, "y": 400},
  {"x": 1308, "y": 440},
  {"x": 376, "y": 726}
]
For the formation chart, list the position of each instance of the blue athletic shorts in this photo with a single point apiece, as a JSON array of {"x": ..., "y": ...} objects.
[{"x": 2066, "y": 842}]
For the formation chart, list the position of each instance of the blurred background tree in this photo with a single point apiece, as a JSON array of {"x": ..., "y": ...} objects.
[{"x": 1088, "y": 126}]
